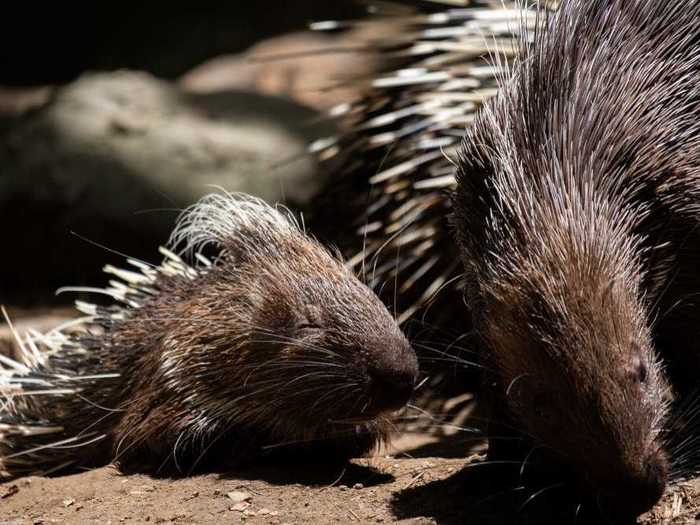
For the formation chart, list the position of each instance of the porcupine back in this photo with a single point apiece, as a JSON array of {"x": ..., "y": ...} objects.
[
  {"x": 272, "y": 341},
  {"x": 387, "y": 199}
]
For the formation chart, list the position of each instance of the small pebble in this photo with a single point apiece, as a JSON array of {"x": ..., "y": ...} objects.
[
  {"x": 240, "y": 507},
  {"x": 358, "y": 486},
  {"x": 9, "y": 491},
  {"x": 238, "y": 496}
]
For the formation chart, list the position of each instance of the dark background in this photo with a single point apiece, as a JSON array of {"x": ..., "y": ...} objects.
[{"x": 49, "y": 44}]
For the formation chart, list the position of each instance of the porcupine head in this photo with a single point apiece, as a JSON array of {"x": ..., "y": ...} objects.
[
  {"x": 558, "y": 307},
  {"x": 267, "y": 341}
]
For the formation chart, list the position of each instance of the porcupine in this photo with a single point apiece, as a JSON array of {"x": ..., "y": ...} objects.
[
  {"x": 577, "y": 213},
  {"x": 273, "y": 341}
]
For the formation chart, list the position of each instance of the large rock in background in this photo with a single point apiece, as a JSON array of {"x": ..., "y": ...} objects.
[
  {"x": 317, "y": 69},
  {"x": 108, "y": 153},
  {"x": 99, "y": 154}
]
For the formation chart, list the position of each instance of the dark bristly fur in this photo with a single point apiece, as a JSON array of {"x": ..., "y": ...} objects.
[
  {"x": 274, "y": 342},
  {"x": 577, "y": 212},
  {"x": 385, "y": 201}
]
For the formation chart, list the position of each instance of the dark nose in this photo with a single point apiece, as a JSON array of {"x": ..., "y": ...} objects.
[
  {"x": 391, "y": 382},
  {"x": 637, "y": 492}
]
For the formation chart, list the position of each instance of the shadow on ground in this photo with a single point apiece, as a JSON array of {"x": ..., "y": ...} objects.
[{"x": 484, "y": 493}]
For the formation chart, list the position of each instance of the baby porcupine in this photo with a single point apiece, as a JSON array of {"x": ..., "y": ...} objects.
[{"x": 272, "y": 341}]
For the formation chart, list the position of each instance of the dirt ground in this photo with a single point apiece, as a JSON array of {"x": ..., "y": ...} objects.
[{"x": 436, "y": 489}]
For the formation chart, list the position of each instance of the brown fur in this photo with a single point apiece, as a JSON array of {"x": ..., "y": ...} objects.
[
  {"x": 290, "y": 336},
  {"x": 276, "y": 343},
  {"x": 577, "y": 210}
]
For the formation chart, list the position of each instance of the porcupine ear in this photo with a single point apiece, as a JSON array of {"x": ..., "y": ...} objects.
[{"x": 226, "y": 219}]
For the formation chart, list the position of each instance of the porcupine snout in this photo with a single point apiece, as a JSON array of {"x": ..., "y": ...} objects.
[
  {"x": 392, "y": 373},
  {"x": 638, "y": 489}
]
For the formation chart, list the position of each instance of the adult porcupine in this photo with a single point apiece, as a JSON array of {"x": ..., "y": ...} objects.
[
  {"x": 577, "y": 212},
  {"x": 273, "y": 341}
]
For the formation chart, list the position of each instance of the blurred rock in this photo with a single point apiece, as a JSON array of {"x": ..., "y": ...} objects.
[
  {"x": 110, "y": 148},
  {"x": 313, "y": 68},
  {"x": 17, "y": 100}
]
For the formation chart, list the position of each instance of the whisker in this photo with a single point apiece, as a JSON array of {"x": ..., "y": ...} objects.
[{"x": 539, "y": 493}]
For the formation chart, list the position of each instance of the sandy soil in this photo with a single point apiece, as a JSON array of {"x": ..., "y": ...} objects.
[{"x": 439, "y": 489}]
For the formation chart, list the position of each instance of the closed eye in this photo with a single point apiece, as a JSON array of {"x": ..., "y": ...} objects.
[{"x": 307, "y": 326}]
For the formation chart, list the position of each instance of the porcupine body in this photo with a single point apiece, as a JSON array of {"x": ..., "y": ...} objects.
[
  {"x": 270, "y": 342},
  {"x": 387, "y": 200},
  {"x": 577, "y": 214}
]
